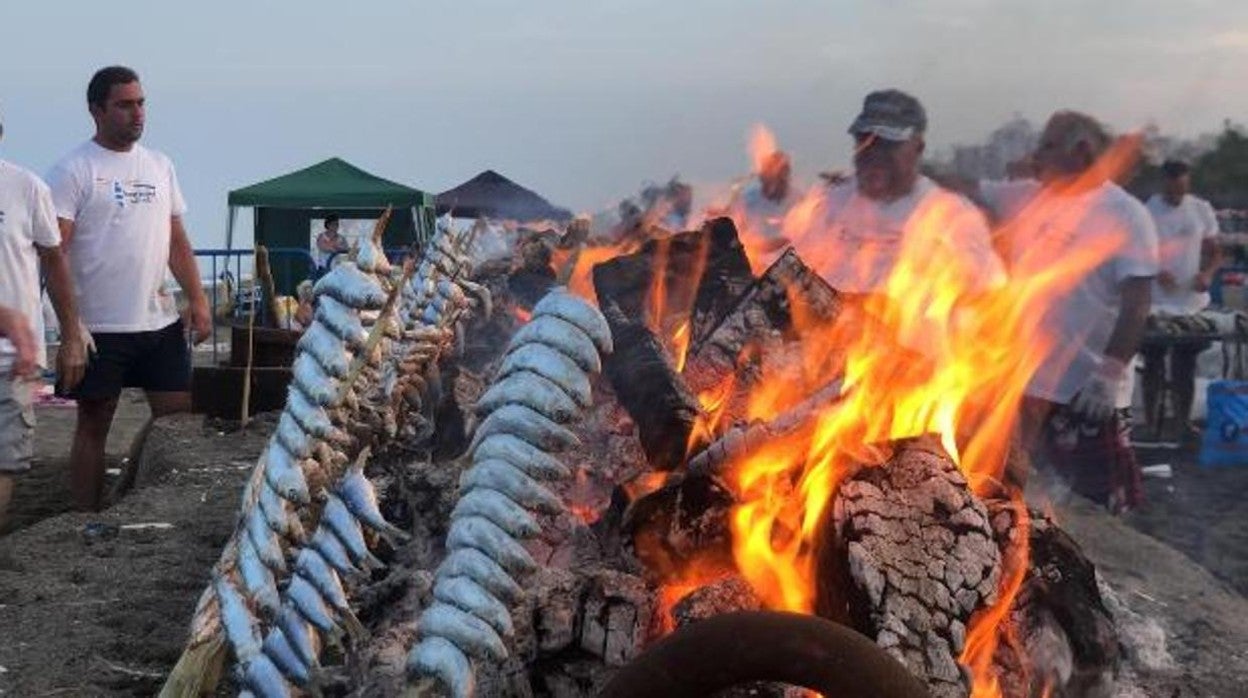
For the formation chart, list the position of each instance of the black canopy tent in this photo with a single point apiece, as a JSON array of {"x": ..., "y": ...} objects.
[
  {"x": 491, "y": 195},
  {"x": 285, "y": 207}
]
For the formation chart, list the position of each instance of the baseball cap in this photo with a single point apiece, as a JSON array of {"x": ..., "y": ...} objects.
[{"x": 890, "y": 114}]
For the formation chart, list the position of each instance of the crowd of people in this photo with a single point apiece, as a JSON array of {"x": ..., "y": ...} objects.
[{"x": 107, "y": 227}]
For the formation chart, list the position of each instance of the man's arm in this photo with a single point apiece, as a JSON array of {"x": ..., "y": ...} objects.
[
  {"x": 1137, "y": 297},
  {"x": 71, "y": 357},
  {"x": 186, "y": 271}
]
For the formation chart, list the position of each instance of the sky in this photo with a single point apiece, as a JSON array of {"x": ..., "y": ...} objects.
[{"x": 582, "y": 100}]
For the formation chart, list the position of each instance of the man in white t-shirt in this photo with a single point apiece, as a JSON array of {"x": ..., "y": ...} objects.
[
  {"x": 1186, "y": 229},
  {"x": 1073, "y": 415},
  {"x": 120, "y": 212},
  {"x": 859, "y": 226},
  {"x": 29, "y": 238}
]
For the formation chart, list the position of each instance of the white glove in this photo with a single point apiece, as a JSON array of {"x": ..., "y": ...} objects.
[{"x": 1097, "y": 400}]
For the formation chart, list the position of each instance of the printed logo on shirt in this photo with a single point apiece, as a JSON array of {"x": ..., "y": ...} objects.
[
  {"x": 130, "y": 193},
  {"x": 1, "y": 217}
]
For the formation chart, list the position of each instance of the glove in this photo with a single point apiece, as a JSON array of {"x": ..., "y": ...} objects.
[{"x": 1096, "y": 401}]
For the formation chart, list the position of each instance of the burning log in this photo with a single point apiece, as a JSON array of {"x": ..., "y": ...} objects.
[
  {"x": 648, "y": 386},
  {"x": 699, "y": 272},
  {"x": 757, "y": 336},
  {"x": 1064, "y": 639},
  {"x": 910, "y": 557}
]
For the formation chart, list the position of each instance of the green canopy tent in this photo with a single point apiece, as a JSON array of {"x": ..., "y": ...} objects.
[{"x": 285, "y": 207}]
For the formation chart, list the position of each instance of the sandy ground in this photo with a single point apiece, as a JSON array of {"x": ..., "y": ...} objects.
[{"x": 106, "y": 615}]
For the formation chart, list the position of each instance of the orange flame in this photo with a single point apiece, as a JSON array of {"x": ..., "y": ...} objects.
[
  {"x": 930, "y": 351},
  {"x": 762, "y": 146}
]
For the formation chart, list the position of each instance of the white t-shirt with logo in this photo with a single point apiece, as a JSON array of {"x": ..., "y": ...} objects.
[
  {"x": 121, "y": 204},
  {"x": 1051, "y": 228},
  {"x": 26, "y": 220},
  {"x": 855, "y": 242},
  {"x": 1180, "y": 232}
]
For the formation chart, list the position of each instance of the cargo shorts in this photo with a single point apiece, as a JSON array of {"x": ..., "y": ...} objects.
[{"x": 17, "y": 425}]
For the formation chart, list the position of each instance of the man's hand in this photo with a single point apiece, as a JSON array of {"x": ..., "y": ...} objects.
[
  {"x": 199, "y": 320},
  {"x": 1167, "y": 280},
  {"x": 1096, "y": 401},
  {"x": 16, "y": 328},
  {"x": 71, "y": 358}
]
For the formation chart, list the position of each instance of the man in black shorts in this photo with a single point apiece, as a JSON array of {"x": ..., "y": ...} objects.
[{"x": 120, "y": 212}]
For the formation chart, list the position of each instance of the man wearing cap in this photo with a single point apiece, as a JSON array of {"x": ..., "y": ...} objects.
[
  {"x": 1186, "y": 228},
  {"x": 1076, "y": 414},
  {"x": 855, "y": 236}
]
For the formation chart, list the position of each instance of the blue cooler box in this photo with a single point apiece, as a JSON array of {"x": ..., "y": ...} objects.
[{"x": 1225, "y": 441}]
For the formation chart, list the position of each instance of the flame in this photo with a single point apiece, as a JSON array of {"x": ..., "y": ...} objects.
[
  {"x": 714, "y": 405},
  {"x": 931, "y": 351},
  {"x": 762, "y": 146},
  {"x": 580, "y": 281}
]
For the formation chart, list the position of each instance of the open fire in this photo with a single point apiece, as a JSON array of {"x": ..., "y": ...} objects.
[{"x": 933, "y": 356}]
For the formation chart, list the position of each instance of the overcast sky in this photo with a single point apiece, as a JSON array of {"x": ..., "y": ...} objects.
[{"x": 582, "y": 100}]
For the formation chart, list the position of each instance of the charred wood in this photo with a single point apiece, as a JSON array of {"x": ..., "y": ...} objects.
[
  {"x": 910, "y": 557},
  {"x": 648, "y": 386}
]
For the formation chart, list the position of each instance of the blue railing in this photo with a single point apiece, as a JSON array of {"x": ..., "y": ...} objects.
[{"x": 226, "y": 267}]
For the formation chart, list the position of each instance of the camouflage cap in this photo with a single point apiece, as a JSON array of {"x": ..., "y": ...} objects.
[{"x": 890, "y": 114}]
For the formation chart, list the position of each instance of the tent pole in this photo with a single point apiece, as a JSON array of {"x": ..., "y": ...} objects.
[{"x": 229, "y": 227}]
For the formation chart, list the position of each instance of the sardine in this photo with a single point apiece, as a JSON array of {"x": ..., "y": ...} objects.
[
  {"x": 439, "y": 657},
  {"x": 239, "y": 623},
  {"x": 530, "y": 459},
  {"x": 257, "y": 578},
  {"x": 342, "y": 321},
  {"x": 284, "y": 475},
  {"x": 471, "y": 634},
  {"x": 479, "y": 567},
  {"x": 314, "y": 419},
  {"x": 498, "y": 508},
  {"x": 267, "y": 546},
  {"x": 478, "y": 533},
  {"x": 310, "y": 605},
  {"x": 561, "y": 304},
  {"x": 559, "y": 334},
  {"x": 300, "y": 634},
  {"x": 292, "y": 435},
  {"x": 503, "y": 477},
  {"x": 313, "y": 568},
  {"x": 470, "y": 597},
  {"x": 327, "y": 348},
  {"x": 262, "y": 677},
  {"x": 330, "y": 548},
  {"x": 351, "y": 287},
  {"x": 285, "y": 657},
  {"x": 533, "y": 391},
  {"x": 279, "y": 516},
  {"x": 338, "y": 519},
  {"x": 528, "y": 424},
  {"x": 552, "y": 365},
  {"x": 319, "y": 387},
  {"x": 356, "y": 491}
]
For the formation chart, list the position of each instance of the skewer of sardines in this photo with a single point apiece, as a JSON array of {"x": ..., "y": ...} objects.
[
  {"x": 315, "y": 608},
  {"x": 541, "y": 388},
  {"x": 283, "y": 496}
]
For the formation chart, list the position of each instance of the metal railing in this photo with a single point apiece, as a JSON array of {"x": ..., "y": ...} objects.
[
  {"x": 229, "y": 298},
  {"x": 226, "y": 267}
]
